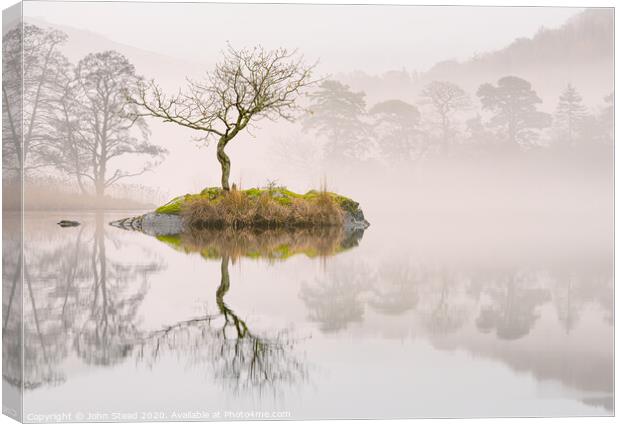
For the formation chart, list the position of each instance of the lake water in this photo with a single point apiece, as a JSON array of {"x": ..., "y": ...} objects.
[{"x": 402, "y": 321}]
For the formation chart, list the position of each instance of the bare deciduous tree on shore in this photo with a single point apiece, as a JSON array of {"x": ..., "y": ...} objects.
[
  {"x": 98, "y": 125},
  {"x": 246, "y": 86},
  {"x": 33, "y": 70}
]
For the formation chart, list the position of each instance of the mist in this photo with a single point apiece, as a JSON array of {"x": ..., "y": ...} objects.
[{"x": 477, "y": 140}]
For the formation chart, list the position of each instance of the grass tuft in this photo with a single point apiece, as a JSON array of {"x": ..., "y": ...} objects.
[{"x": 270, "y": 207}]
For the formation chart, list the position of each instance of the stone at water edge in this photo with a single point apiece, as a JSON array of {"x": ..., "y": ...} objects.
[
  {"x": 67, "y": 223},
  {"x": 355, "y": 220}
]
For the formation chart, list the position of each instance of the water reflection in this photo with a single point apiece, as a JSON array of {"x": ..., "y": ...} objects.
[
  {"x": 527, "y": 318},
  {"x": 446, "y": 311},
  {"x": 90, "y": 297},
  {"x": 513, "y": 303},
  {"x": 241, "y": 358},
  {"x": 266, "y": 244},
  {"x": 106, "y": 335},
  {"x": 399, "y": 288},
  {"x": 335, "y": 300},
  {"x": 12, "y": 342},
  {"x": 78, "y": 300}
]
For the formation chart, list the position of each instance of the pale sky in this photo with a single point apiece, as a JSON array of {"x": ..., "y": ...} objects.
[{"x": 344, "y": 38}]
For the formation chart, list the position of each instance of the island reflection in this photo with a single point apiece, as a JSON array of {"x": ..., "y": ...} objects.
[
  {"x": 240, "y": 357},
  {"x": 266, "y": 244}
]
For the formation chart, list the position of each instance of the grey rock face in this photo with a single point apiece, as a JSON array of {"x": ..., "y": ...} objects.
[
  {"x": 161, "y": 224},
  {"x": 152, "y": 223},
  {"x": 355, "y": 220}
]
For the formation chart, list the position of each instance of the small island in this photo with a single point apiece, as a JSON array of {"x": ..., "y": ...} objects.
[
  {"x": 254, "y": 208},
  {"x": 247, "y": 86}
]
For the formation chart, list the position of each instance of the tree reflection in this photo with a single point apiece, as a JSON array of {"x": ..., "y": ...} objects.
[
  {"x": 512, "y": 311},
  {"x": 567, "y": 305},
  {"x": 447, "y": 312},
  {"x": 573, "y": 290},
  {"x": 77, "y": 299},
  {"x": 335, "y": 300},
  {"x": 107, "y": 335},
  {"x": 44, "y": 345},
  {"x": 239, "y": 357},
  {"x": 396, "y": 291},
  {"x": 12, "y": 342}
]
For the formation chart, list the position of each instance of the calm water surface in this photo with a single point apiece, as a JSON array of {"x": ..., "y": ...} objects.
[{"x": 390, "y": 323}]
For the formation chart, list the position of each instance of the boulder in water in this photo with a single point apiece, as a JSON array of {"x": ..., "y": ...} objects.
[{"x": 67, "y": 223}]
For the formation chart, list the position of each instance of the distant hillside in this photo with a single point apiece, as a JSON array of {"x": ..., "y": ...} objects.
[
  {"x": 580, "y": 52},
  {"x": 588, "y": 36},
  {"x": 168, "y": 71}
]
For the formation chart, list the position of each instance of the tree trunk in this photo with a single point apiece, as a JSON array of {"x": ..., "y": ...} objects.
[
  {"x": 102, "y": 283},
  {"x": 99, "y": 189},
  {"x": 445, "y": 128},
  {"x": 224, "y": 284},
  {"x": 570, "y": 128},
  {"x": 229, "y": 316},
  {"x": 224, "y": 160},
  {"x": 81, "y": 184}
]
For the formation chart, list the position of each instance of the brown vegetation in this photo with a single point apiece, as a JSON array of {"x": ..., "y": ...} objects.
[{"x": 262, "y": 209}]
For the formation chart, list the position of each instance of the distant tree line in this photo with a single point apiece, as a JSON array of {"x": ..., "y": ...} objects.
[{"x": 446, "y": 118}]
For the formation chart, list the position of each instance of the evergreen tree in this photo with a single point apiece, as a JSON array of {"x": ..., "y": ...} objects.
[
  {"x": 514, "y": 103},
  {"x": 337, "y": 113},
  {"x": 570, "y": 113}
]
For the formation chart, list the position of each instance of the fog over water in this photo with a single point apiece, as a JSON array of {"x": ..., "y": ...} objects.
[{"x": 478, "y": 144}]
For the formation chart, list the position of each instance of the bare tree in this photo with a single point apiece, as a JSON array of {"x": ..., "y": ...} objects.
[
  {"x": 95, "y": 123},
  {"x": 35, "y": 51},
  {"x": 71, "y": 153},
  {"x": 246, "y": 86},
  {"x": 446, "y": 99}
]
